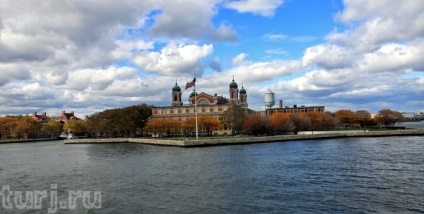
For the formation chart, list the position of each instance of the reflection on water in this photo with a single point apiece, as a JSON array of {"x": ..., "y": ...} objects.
[{"x": 338, "y": 175}]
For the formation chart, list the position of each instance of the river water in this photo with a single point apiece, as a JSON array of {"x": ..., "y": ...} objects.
[{"x": 350, "y": 175}]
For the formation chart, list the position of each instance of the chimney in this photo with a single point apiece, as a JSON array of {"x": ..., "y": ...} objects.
[
  {"x": 294, "y": 106},
  {"x": 63, "y": 113},
  {"x": 72, "y": 112},
  {"x": 44, "y": 114},
  {"x": 280, "y": 104},
  {"x": 34, "y": 114}
]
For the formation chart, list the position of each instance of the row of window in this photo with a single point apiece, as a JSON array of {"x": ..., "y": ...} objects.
[{"x": 190, "y": 110}]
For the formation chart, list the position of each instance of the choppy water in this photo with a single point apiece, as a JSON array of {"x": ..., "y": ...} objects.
[{"x": 352, "y": 175}]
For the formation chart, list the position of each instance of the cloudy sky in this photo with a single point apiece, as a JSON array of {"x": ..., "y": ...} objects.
[{"x": 87, "y": 56}]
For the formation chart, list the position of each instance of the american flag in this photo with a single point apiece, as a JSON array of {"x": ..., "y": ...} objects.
[{"x": 191, "y": 84}]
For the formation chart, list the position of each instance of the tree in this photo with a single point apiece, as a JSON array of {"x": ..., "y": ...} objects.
[
  {"x": 257, "y": 125},
  {"x": 189, "y": 126},
  {"x": 209, "y": 124},
  {"x": 281, "y": 123},
  {"x": 51, "y": 128},
  {"x": 75, "y": 127},
  {"x": 346, "y": 117},
  {"x": 388, "y": 117},
  {"x": 234, "y": 117},
  {"x": 364, "y": 118},
  {"x": 155, "y": 126}
]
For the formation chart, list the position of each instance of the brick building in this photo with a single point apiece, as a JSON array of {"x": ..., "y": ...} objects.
[{"x": 206, "y": 104}]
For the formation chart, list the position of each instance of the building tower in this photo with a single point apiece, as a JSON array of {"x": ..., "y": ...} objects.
[
  {"x": 234, "y": 92},
  {"x": 176, "y": 95},
  {"x": 243, "y": 97}
]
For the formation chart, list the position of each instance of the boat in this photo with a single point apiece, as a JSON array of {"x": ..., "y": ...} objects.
[{"x": 71, "y": 136}]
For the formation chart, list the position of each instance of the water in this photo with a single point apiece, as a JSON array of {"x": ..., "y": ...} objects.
[{"x": 352, "y": 175}]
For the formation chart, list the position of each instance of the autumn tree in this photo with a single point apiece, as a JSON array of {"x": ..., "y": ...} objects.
[
  {"x": 51, "y": 128},
  {"x": 209, "y": 124},
  {"x": 171, "y": 126},
  {"x": 364, "y": 118},
  {"x": 155, "y": 126},
  {"x": 301, "y": 122},
  {"x": 257, "y": 125},
  {"x": 189, "y": 126},
  {"x": 346, "y": 117},
  {"x": 75, "y": 126},
  {"x": 234, "y": 117},
  {"x": 281, "y": 123},
  {"x": 388, "y": 117}
]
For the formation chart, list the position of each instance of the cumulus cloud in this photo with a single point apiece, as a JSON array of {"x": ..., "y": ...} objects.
[
  {"x": 379, "y": 22},
  {"x": 174, "y": 22},
  {"x": 174, "y": 59},
  {"x": 257, "y": 7}
]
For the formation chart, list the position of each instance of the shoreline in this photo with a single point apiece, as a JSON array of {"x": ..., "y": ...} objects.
[
  {"x": 27, "y": 140},
  {"x": 247, "y": 140}
]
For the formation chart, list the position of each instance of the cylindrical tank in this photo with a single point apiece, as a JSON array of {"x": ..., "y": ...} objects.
[{"x": 269, "y": 99}]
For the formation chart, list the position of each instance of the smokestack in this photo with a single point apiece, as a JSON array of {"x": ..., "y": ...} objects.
[{"x": 280, "y": 104}]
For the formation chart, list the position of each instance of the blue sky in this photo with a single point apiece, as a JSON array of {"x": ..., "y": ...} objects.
[{"x": 87, "y": 56}]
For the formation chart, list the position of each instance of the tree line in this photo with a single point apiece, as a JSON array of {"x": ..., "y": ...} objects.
[
  {"x": 136, "y": 121},
  {"x": 281, "y": 123},
  {"x": 119, "y": 122}
]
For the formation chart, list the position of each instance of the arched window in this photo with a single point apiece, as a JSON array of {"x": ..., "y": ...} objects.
[{"x": 202, "y": 102}]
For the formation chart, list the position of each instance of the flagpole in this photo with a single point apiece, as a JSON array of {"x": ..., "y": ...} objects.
[{"x": 195, "y": 109}]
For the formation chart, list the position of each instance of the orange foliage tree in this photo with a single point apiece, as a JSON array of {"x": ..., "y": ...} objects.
[
  {"x": 281, "y": 123},
  {"x": 257, "y": 125},
  {"x": 167, "y": 126},
  {"x": 388, "y": 117},
  {"x": 189, "y": 126},
  {"x": 346, "y": 117},
  {"x": 209, "y": 124}
]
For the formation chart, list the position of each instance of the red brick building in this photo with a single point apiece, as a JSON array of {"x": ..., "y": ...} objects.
[{"x": 206, "y": 104}]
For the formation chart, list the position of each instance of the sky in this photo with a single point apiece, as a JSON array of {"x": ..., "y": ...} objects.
[{"x": 87, "y": 55}]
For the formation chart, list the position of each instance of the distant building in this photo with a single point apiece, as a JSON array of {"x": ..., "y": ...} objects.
[
  {"x": 207, "y": 104},
  {"x": 40, "y": 117},
  {"x": 293, "y": 109},
  {"x": 66, "y": 116}
]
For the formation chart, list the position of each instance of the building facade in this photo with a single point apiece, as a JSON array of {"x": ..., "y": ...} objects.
[{"x": 206, "y": 104}]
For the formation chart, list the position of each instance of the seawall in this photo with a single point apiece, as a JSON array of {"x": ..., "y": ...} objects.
[{"x": 247, "y": 140}]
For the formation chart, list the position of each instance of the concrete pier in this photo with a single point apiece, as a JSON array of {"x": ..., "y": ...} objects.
[{"x": 248, "y": 140}]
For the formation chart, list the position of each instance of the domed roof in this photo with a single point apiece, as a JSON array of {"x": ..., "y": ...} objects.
[
  {"x": 233, "y": 84},
  {"x": 193, "y": 93},
  {"x": 176, "y": 88},
  {"x": 242, "y": 90}
]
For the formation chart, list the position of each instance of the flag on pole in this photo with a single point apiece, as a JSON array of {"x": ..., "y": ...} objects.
[{"x": 191, "y": 84}]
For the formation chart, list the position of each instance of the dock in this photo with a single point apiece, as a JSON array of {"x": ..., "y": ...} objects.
[{"x": 216, "y": 141}]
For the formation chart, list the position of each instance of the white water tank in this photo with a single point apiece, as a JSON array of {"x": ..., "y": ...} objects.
[{"x": 269, "y": 99}]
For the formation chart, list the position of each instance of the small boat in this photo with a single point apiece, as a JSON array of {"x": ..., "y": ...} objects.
[
  {"x": 63, "y": 136},
  {"x": 71, "y": 136}
]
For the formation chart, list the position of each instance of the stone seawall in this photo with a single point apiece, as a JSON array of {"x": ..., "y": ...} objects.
[{"x": 247, "y": 140}]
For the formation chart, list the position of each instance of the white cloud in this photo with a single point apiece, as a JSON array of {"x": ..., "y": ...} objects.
[
  {"x": 239, "y": 59},
  {"x": 174, "y": 59},
  {"x": 258, "y": 7},
  {"x": 193, "y": 21}
]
